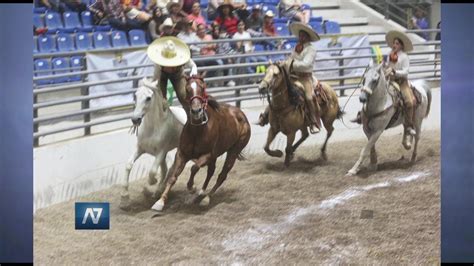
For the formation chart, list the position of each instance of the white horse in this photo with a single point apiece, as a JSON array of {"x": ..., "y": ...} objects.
[
  {"x": 379, "y": 109},
  {"x": 159, "y": 128}
]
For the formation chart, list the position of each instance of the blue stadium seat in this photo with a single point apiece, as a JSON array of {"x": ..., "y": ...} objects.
[
  {"x": 280, "y": 20},
  {"x": 267, "y": 7},
  {"x": 316, "y": 18},
  {"x": 204, "y": 3},
  {"x": 282, "y": 29},
  {"x": 83, "y": 41},
  {"x": 137, "y": 38},
  {"x": 86, "y": 18},
  {"x": 60, "y": 66},
  {"x": 259, "y": 48},
  {"x": 332, "y": 27},
  {"x": 65, "y": 42},
  {"x": 289, "y": 45},
  {"x": 119, "y": 39},
  {"x": 53, "y": 21},
  {"x": 76, "y": 61},
  {"x": 42, "y": 64},
  {"x": 47, "y": 44},
  {"x": 71, "y": 20},
  {"x": 250, "y": 3},
  {"x": 38, "y": 21},
  {"x": 271, "y": 2},
  {"x": 102, "y": 28},
  {"x": 39, "y": 10},
  {"x": 101, "y": 40},
  {"x": 35, "y": 44},
  {"x": 317, "y": 27}
]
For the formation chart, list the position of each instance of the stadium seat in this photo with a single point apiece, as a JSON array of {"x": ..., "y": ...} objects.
[
  {"x": 267, "y": 7},
  {"x": 314, "y": 19},
  {"x": 289, "y": 45},
  {"x": 86, "y": 18},
  {"x": 282, "y": 29},
  {"x": 137, "y": 38},
  {"x": 102, "y": 28},
  {"x": 271, "y": 2},
  {"x": 42, "y": 64},
  {"x": 101, "y": 40},
  {"x": 71, "y": 20},
  {"x": 119, "y": 39},
  {"x": 39, "y": 10},
  {"x": 47, "y": 44},
  {"x": 35, "y": 44},
  {"x": 60, "y": 66},
  {"x": 76, "y": 61},
  {"x": 38, "y": 21},
  {"x": 317, "y": 27},
  {"x": 83, "y": 41},
  {"x": 53, "y": 21},
  {"x": 280, "y": 20},
  {"x": 65, "y": 42},
  {"x": 204, "y": 4},
  {"x": 259, "y": 48},
  {"x": 332, "y": 27}
]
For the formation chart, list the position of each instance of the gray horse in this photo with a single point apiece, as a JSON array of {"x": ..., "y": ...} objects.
[{"x": 379, "y": 112}]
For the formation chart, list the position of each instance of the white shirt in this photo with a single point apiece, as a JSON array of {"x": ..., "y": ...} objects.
[
  {"x": 248, "y": 46},
  {"x": 304, "y": 61},
  {"x": 401, "y": 66}
]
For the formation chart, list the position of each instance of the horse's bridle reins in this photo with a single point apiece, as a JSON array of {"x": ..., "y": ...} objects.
[
  {"x": 203, "y": 99},
  {"x": 272, "y": 85}
]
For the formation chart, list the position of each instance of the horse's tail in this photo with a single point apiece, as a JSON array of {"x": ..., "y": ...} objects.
[
  {"x": 241, "y": 157},
  {"x": 428, "y": 93}
]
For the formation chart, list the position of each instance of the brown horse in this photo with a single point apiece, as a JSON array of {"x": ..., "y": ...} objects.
[
  {"x": 211, "y": 130},
  {"x": 288, "y": 118}
]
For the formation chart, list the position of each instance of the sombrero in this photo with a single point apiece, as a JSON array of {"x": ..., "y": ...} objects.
[
  {"x": 169, "y": 52},
  {"x": 391, "y": 35},
  {"x": 296, "y": 27},
  {"x": 172, "y": 3},
  {"x": 224, "y": 4}
]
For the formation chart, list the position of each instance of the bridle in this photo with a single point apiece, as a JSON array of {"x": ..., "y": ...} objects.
[{"x": 202, "y": 98}]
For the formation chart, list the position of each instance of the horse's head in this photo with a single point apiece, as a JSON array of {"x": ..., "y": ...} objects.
[
  {"x": 272, "y": 79},
  {"x": 144, "y": 99},
  {"x": 370, "y": 82},
  {"x": 198, "y": 99}
]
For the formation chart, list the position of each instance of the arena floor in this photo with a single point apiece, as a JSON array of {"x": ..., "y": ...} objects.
[{"x": 267, "y": 214}]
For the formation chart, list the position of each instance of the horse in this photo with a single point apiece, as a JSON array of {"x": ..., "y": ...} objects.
[
  {"x": 288, "y": 118},
  {"x": 381, "y": 111},
  {"x": 212, "y": 129},
  {"x": 158, "y": 127}
]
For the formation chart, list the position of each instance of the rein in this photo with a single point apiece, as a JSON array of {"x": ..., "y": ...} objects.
[{"x": 202, "y": 98}]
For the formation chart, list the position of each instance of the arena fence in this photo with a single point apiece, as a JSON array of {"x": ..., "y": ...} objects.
[{"x": 244, "y": 91}]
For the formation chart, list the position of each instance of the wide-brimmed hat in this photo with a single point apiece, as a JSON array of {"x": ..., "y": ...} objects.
[
  {"x": 167, "y": 23},
  {"x": 394, "y": 34},
  {"x": 169, "y": 52},
  {"x": 269, "y": 13},
  {"x": 296, "y": 27},
  {"x": 224, "y": 4},
  {"x": 172, "y": 3}
]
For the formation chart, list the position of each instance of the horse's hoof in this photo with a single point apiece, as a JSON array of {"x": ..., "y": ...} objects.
[
  {"x": 351, "y": 173},
  {"x": 125, "y": 203},
  {"x": 158, "y": 206},
  {"x": 205, "y": 201},
  {"x": 192, "y": 190}
]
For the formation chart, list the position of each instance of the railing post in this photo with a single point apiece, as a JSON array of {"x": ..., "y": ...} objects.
[
  {"x": 237, "y": 94},
  {"x": 341, "y": 74},
  {"x": 85, "y": 105},
  {"x": 35, "y": 125}
]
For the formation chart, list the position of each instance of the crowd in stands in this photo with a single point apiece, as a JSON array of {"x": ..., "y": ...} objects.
[{"x": 103, "y": 24}]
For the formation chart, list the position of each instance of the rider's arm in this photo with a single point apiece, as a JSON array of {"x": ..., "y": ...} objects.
[
  {"x": 157, "y": 73},
  {"x": 405, "y": 64},
  {"x": 193, "y": 66},
  {"x": 305, "y": 65}
]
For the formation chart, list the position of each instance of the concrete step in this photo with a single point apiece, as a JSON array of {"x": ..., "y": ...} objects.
[
  {"x": 334, "y": 14},
  {"x": 321, "y": 5},
  {"x": 364, "y": 29},
  {"x": 355, "y": 21}
]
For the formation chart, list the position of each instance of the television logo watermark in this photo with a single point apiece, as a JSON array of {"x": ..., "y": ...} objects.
[{"x": 92, "y": 216}]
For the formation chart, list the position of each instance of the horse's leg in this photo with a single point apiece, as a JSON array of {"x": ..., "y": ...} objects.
[
  {"x": 290, "y": 138},
  {"x": 329, "y": 128},
  {"x": 304, "y": 136},
  {"x": 270, "y": 137},
  {"x": 211, "y": 168},
  {"x": 164, "y": 171},
  {"x": 417, "y": 137},
  {"x": 373, "y": 159},
  {"x": 190, "y": 185},
  {"x": 125, "y": 197},
  {"x": 365, "y": 152},
  {"x": 176, "y": 170},
  {"x": 228, "y": 164},
  {"x": 159, "y": 159}
]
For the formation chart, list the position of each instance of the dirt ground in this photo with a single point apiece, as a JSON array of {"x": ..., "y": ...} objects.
[{"x": 310, "y": 213}]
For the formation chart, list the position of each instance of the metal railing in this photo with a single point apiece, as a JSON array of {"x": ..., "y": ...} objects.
[{"x": 242, "y": 92}]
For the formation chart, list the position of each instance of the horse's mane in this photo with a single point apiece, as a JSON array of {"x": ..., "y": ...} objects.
[
  {"x": 293, "y": 93},
  {"x": 213, "y": 103}
]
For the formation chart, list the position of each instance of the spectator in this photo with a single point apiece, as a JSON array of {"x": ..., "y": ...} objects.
[
  {"x": 419, "y": 22},
  {"x": 294, "y": 10},
  {"x": 196, "y": 16},
  {"x": 112, "y": 12},
  {"x": 206, "y": 49},
  {"x": 246, "y": 47},
  {"x": 270, "y": 31},
  {"x": 161, "y": 4},
  {"x": 133, "y": 8},
  {"x": 188, "y": 6},
  {"x": 167, "y": 28},
  {"x": 212, "y": 9},
  {"x": 223, "y": 48},
  {"x": 186, "y": 34},
  {"x": 226, "y": 18},
  {"x": 174, "y": 10},
  {"x": 61, "y": 5},
  {"x": 155, "y": 24},
  {"x": 254, "y": 22},
  {"x": 240, "y": 7}
]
